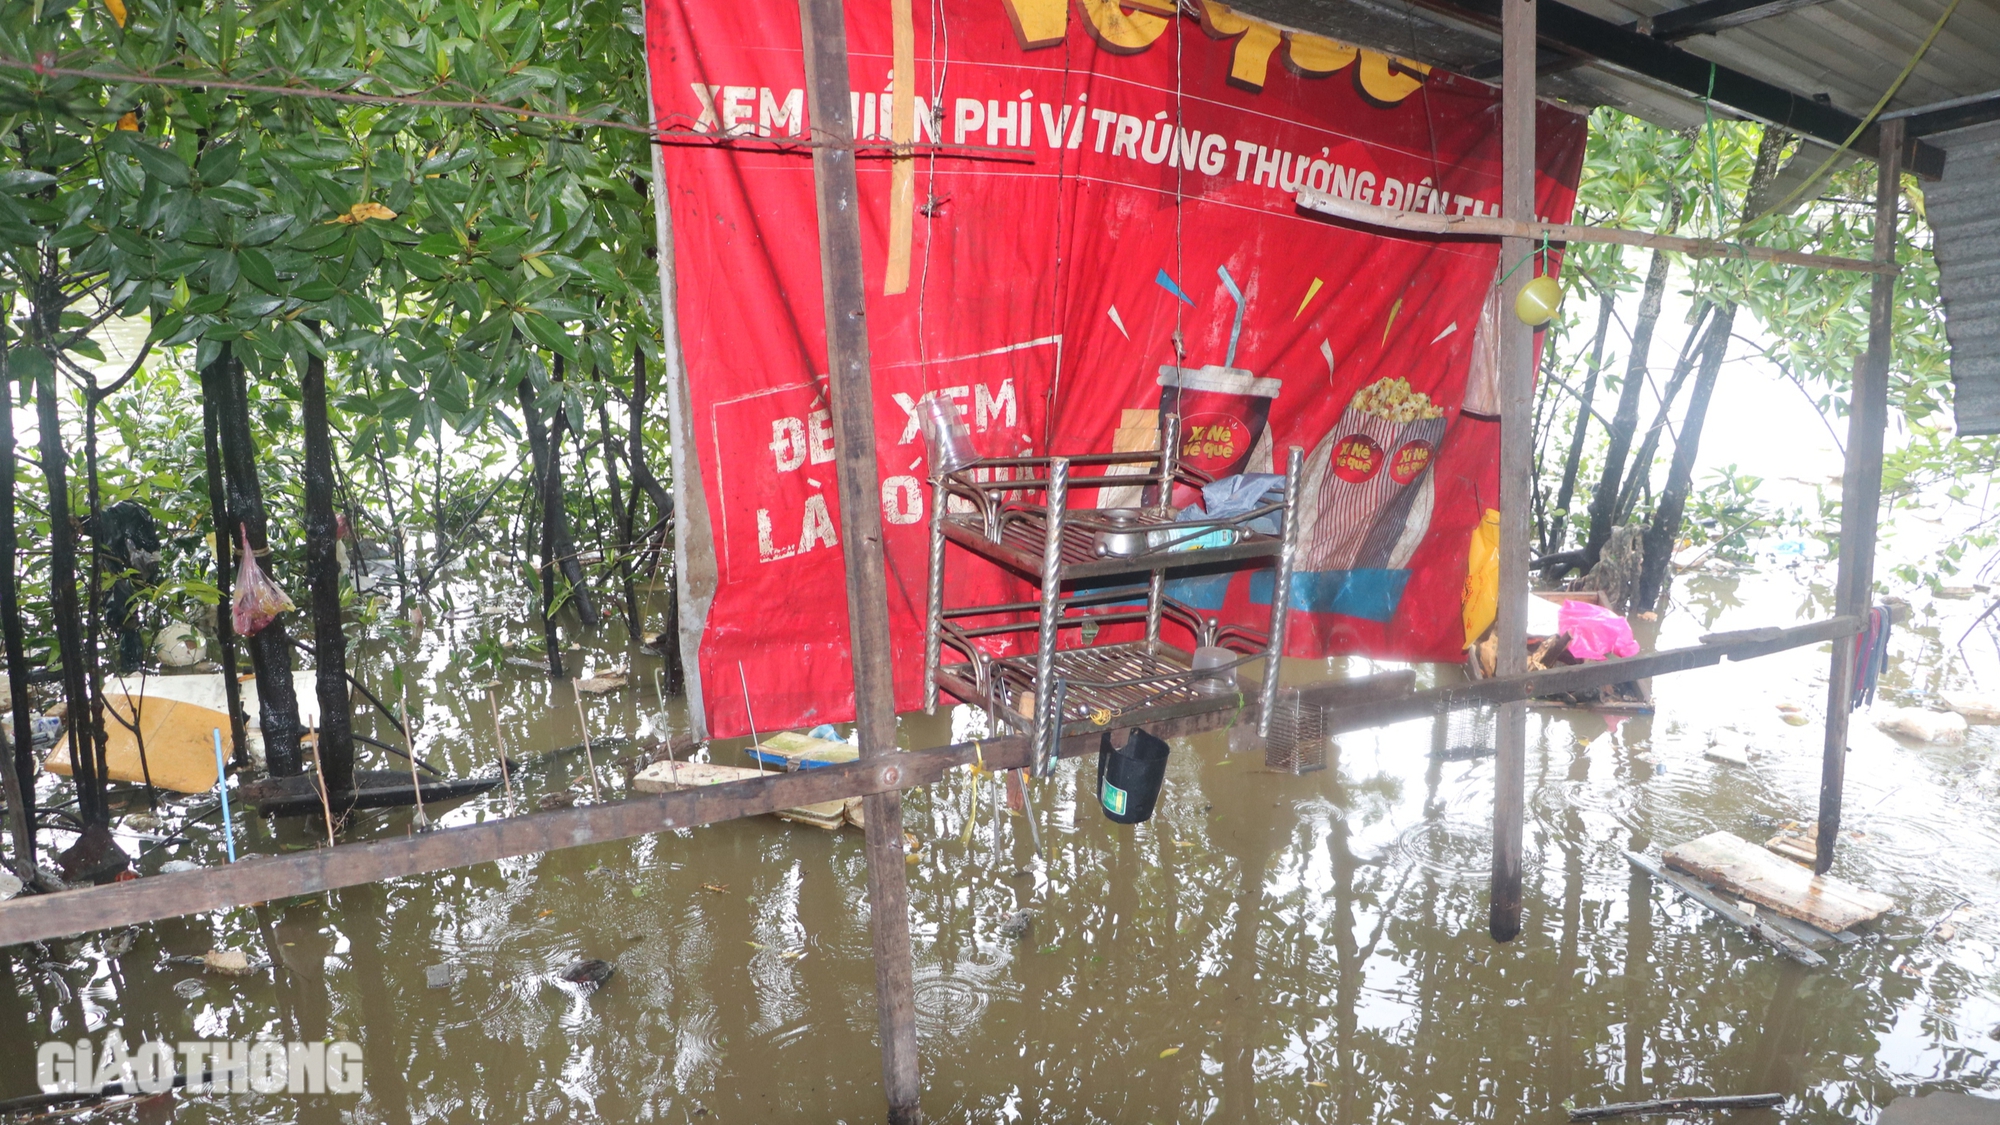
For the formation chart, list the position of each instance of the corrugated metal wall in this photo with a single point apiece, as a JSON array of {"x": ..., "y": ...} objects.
[{"x": 1965, "y": 220}]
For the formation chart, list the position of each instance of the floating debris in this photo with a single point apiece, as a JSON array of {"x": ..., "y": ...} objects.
[
  {"x": 228, "y": 962},
  {"x": 1944, "y": 728},
  {"x": 1018, "y": 923},
  {"x": 592, "y": 972}
]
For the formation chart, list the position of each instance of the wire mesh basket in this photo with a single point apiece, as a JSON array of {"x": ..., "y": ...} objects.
[
  {"x": 1297, "y": 742},
  {"x": 1469, "y": 733}
]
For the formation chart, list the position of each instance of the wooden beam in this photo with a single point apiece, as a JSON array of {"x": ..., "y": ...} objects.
[
  {"x": 1703, "y": 18},
  {"x": 1351, "y": 705},
  {"x": 1517, "y": 392},
  {"x": 1861, "y": 490},
  {"x": 851, "y": 389},
  {"x": 260, "y": 878},
  {"x": 1486, "y": 226},
  {"x": 1579, "y": 677},
  {"x": 1958, "y": 113},
  {"x": 1706, "y": 17}
]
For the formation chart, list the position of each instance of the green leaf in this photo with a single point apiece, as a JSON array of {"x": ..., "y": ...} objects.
[
  {"x": 161, "y": 165},
  {"x": 319, "y": 237},
  {"x": 22, "y": 180},
  {"x": 258, "y": 269}
]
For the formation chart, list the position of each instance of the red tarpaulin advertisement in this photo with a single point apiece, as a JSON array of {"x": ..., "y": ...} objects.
[{"x": 1095, "y": 185}]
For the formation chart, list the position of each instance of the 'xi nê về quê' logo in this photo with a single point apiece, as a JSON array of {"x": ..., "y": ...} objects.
[
  {"x": 1409, "y": 461},
  {"x": 1356, "y": 458},
  {"x": 1133, "y": 26}
]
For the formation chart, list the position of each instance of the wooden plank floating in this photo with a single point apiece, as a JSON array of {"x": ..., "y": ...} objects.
[
  {"x": 667, "y": 777},
  {"x": 1787, "y": 943},
  {"x": 1352, "y": 705},
  {"x": 373, "y": 789},
  {"x": 790, "y": 750},
  {"x": 1676, "y": 1105},
  {"x": 1744, "y": 869},
  {"x": 1487, "y": 226}
]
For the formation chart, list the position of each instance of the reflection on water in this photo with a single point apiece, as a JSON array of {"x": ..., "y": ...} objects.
[{"x": 1268, "y": 948}]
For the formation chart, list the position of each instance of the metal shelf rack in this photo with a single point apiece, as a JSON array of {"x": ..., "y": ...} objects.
[{"x": 1014, "y": 512}]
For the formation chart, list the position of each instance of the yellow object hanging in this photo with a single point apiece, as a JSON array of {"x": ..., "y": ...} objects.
[
  {"x": 1482, "y": 578},
  {"x": 1539, "y": 300}
]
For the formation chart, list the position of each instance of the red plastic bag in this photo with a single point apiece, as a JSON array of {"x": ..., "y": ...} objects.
[
  {"x": 1595, "y": 632},
  {"x": 258, "y": 601}
]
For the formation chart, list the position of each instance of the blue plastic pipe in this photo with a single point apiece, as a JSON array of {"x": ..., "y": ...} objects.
[{"x": 222, "y": 783}]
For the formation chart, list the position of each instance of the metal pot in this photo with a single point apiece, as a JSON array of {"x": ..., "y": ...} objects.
[{"x": 1126, "y": 538}]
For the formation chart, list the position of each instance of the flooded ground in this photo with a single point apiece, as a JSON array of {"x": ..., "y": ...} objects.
[{"x": 1268, "y": 948}]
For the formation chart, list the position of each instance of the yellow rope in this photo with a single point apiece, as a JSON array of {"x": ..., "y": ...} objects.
[{"x": 1908, "y": 69}]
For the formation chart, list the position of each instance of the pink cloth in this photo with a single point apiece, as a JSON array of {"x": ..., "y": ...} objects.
[{"x": 1595, "y": 632}]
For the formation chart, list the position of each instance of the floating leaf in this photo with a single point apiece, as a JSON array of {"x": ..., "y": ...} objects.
[{"x": 1170, "y": 1052}]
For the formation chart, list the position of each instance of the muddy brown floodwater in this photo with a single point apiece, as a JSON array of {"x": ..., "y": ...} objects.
[{"x": 1268, "y": 948}]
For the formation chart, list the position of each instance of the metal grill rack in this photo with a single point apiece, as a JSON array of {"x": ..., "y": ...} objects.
[{"x": 1015, "y": 513}]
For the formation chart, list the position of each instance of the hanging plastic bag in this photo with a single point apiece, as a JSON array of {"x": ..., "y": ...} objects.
[
  {"x": 1595, "y": 632},
  {"x": 258, "y": 600},
  {"x": 1482, "y": 578}
]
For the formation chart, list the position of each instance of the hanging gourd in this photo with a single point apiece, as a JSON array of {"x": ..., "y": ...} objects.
[{"x": 1538, "y": 301}]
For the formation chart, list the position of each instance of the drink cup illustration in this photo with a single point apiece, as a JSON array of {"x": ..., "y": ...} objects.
[{"x": 1224, "y": 409}]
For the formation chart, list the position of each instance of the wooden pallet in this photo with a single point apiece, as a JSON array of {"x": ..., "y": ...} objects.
[{"x": 1754, "y": 874}]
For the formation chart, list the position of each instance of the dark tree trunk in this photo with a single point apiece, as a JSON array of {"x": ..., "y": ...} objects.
[
  {"x": 271, "y": 647},
  {"x": 1604, "y": 500},
  {"x": 62, "y": 596},
  {"x": 214, "y": 393},
  {"x": 1559, "y": 528},
  {"x": 22, "y": 735},
  {"x": 622, "y": 517},
  {"x": 94, "y": 639},
  {"x": 1666, "y": 526},
  {"x": 336, "y": 723},
  {"x": 545, "y": 445},
  {"x": 1639, "y": 478},
  {"x": 538, "y": 449},
  {"x": 643, "y": 480}
]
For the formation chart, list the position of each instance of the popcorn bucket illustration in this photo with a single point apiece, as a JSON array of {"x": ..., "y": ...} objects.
[{"x": 1356, "y": 480}]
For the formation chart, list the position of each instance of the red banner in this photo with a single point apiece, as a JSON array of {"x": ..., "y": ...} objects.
[{"x": 1098, "y": 185}]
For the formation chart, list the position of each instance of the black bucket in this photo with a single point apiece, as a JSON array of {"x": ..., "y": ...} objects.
[{"x": 1129, "y": 777}]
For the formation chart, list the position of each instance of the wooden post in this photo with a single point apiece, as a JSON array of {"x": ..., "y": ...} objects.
[
  {"x": 853, "y": 401},
  {"x": 1861, "y": 488},
  {"x": 1517, "y": 390}
]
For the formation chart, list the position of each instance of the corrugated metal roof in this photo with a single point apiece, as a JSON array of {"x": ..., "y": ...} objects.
[
  {"x": 1845, "y": 53},
  {"x": 1964, "y": 210},
  {"x": 1850, "y": 50}
]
